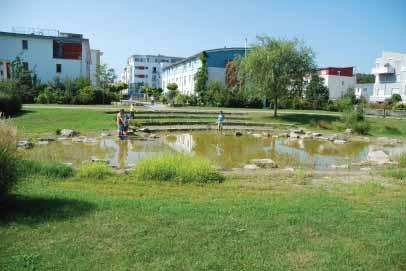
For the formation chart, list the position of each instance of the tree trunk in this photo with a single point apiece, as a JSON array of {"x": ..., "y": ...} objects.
[{"x": 275, "y": 107}]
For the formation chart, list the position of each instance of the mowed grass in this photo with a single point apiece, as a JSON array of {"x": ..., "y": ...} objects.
[
  {"x": 45, "y": 120},
  {"x": 255, "y": 224}
]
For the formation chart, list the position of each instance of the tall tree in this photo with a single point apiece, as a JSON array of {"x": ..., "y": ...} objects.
[
  {"x": 276, "y": 67},
  {"x": 316, "y": 92}
]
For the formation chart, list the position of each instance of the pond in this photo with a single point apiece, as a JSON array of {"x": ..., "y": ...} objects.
[{"x": 227, "y": 151}]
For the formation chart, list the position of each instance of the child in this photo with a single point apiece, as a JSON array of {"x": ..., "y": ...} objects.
[
  {"x": 126, "y": 118},
  {"x": 220, "y": 121}
]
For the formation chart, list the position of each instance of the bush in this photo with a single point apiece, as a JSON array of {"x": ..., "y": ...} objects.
[
  {"x": 8, "y": 158},
  {"x": 10, "y": 104},
  {"x": 86, "y": 95},
  {"x": 400, "y": 106},
  {"x": 396, "y": 98},
  {"x": 44, "y": 168},
  {"x": 354, "y": 119},
  {"x": 178, "y": 168},
  {"x": 95, "y": 170}
]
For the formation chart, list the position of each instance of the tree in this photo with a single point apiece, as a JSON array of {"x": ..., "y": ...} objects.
[
  {"x": 316, "y": 92},
  {"x": 231, "y": 74},
  {"x": 365, "y": 78},
  {"x": 276, "y": 67},
  {"x": 104, "y": 79},
  {"x": 201, "y": 77},
  {"x": 396, "y": 98},
  {"x": 173, "y": 91},
  {"x": 217, "y": 93}
]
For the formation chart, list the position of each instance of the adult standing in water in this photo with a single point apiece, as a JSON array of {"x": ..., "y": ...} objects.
[
  {"x": 220, "y": 121},
  {"x": 120, "y": 123}
]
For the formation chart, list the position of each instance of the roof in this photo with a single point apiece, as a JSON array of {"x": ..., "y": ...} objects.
[
  {"x": 64, "y": 36},
  {"x": 163, "y": 56},
  {"x": 206, "y": 51},
  {"x": 325, "y": 68}
]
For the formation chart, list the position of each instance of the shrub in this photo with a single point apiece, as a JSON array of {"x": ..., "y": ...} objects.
[
  {"x": 8, "y": 158},
  {"x": 396, "y": 98},
  {"x": 44, "y": 168},
  {"x": 95, "y": 170},
  {"x": 354, "y": 119},
  {"x": 177, "y": 167},
  {"x": 400, "y": 106},
  {"x": 397, "y": 173},
  {"x": 402, "y": 160},
  {"x": 86, "y": 95},
  {"x": 10, "y": 103}
]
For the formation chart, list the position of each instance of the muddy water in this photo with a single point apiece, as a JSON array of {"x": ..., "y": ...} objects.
[{"x": 225, "y": 150}]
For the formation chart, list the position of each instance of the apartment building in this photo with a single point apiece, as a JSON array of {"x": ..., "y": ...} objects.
[
  {"x": 95, "y": 60},
  {"x": 182, "y": 72},
  {"x": 47, "y": 53},
  {"x": 390, "y": 76},
  {"x": 338, "y": 80},
  {"x": 145, "y": 70}
]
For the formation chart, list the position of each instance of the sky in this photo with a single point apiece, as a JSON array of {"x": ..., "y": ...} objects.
[{"x": 341, "y": 33}]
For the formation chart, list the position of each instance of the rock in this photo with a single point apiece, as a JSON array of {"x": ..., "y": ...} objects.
[
  {"x": 306, "y": 136},
  {"x": 154, "y": 136},
  {"x": 284, "y": 135},
  {"x": 238, "y": 134},
  {"x": 144, "y": 130},
  {"x": 333, "y": 137},
  {"x": 378, "y": 157},
  {"x": 365, "y": 168},
  {"x": 105, "y": 134},
  {"x": 78, "y": 139},
  {"x": 89, "y": 140},
  {"x": 348, "y": 131},
  {"x": 266, "y": 134},
  {"x": 62, "y": 138},
  {"x": 316, "y": 134},
  {"x": 339, "y": 166},
  {"x": 323, "y": 138},
  {"x": 293, "y": 135},
  {"x": 42, "y": 142},
  {"x": 251, "y": 166},
  {"x": 46, "y": 139},
  {"x": 299, "y": 131},
  {"x": 25, "y": 144},
  {"x": 264, "y": 163},
  {"x": 339, "y": 141},
  {"x": 275, "y": 136},
  {"x": 68, "y": 133},
  {"x": 289, "y": 169},
  {"x": 97, "y": 160},
  {"x": 257, "y": 135}
]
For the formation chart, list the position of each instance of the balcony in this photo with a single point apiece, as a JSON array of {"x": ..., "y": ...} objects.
[{"x": 387, "y": 69}]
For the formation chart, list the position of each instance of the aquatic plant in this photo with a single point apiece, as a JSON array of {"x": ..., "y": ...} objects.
[
  {"x": 95, "y": 170},
  {"x": 178, "y": 168},
  {"x": 48, "y": 169}
]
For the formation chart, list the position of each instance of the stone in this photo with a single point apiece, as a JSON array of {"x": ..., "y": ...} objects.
[
  {"x": 105, "y": 134},
  {"x": 275, "y": 136},
  {"x": 339, "y": 141},
  {"x": 42, "y": 142},
  {"x": 46, "y": 139},
  {"x": 68, "y": 133},
  {"x": 293, "y": 135},
  {"x": 339, "y": 166},
  {"x": 289, "y": 169},
  {"x": 348, "y": 131},
  {"x": 365, "y": 168},
  {"x": 251, "y": 166},
  {"x": 144, "y": 130},
  {"x": 333, "y": 137},
  {"x": 284, "y": 135},
  {"x": 98, "y": 160},
  {"x": 257, "y": 135},
  {"x": 24, "y": 144},
  {"x": 378, "y": 157},
  {"x": 154, "y": 136},
  {"x": 238, "y": 134},
  {"x": 78, "y": 139},
  {"x": 316, "y": 134},
  {"x": 264, "y": 163},
  {"x": 323, "y": 138},
  {"x": 62, "y": 138},
  {"x": 89, "y": 140},
  {"x": 299, "y": 131},
  {"x": 266, "y": 134}
]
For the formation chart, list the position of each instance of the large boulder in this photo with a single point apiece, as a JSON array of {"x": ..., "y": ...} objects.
[
  {"x": 264, "y": 163},
  {"x": 25, "y": 144},
  {"x": 68, "y": 133},
  {"x": 378, "y": 157}
]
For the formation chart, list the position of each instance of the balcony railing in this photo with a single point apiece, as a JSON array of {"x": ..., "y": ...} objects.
[{"x": 383, "y": 70}]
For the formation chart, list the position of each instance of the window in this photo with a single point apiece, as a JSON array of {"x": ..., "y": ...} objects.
[
  {"x": 153, "y": 69},
  {"x": 25, "y": 66},
  {"x": 58, "y": 68},
  {"x": 25, "y": 44}
]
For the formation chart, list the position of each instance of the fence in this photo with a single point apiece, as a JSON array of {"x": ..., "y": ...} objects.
[{"x": 401, "y": 113}]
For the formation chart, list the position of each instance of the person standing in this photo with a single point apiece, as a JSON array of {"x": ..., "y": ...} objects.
[
  {"x": 120, "y": 123},
  {"x": 220, "y": 121}
]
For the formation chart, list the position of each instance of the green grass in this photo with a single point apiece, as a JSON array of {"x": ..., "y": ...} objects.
[
  {"x": 178, "y": 168},
  {"x": 259, "y": 223},
  {"x": 48, "y": 169},
  {"x": 95, "y": 170}
]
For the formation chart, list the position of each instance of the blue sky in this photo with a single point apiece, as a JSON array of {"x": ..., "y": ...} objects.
[{"x": 342, "y": 33}]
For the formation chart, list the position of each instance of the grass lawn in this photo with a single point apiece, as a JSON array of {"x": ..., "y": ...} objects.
[{"x": 246, "y": 223}]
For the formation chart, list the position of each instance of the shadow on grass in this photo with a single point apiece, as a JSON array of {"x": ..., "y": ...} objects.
[
  {"x": 34, "y": 210},
  {"x": 22, "y": 112},
  {"x": 305, "y": 119}
]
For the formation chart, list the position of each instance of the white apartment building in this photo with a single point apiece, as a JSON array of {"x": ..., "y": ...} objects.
[
  {"x": 338, "y": 80},
  {"x": 95, "y": 60},
  {"x": 390, "y": 76},
  {"x": 47, "y": 53},
  {"x": 182, "y": 73},
  {"x": 145, "y": 70},
  {"x": 364, "y": 90}
]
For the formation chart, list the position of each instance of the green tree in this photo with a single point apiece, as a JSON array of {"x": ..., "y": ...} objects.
[
  {"x": 363, "y": 78},
  {"x": 317, "y": 93},
  {"x": 217, "y": 93},
  {"x": 396, "y": 98},
  {"x": 276, "y": 67},
  {"x": 201, "y": 78},
  {"x": 173, "y": 91}
]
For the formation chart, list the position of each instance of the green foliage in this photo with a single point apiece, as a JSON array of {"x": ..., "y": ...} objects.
[
  {"x": 8, "y": 158},
  {"x": 400, "y": 106},
  {"x": 47, "y": 169},
  {"x": 396, "y": 98},
  {"x": 95, "y": 170},
  {"x": 365, "y": 78},
  {"x": 398, "y": 172},
  {"x": 353, "y": 117},
  {"x": 217, "y": 93},
  {"x": 181, "y": 99},
  {"x": 86, "y": 95},
  {"x": 105, "y": 76},
  {"x": 173, "y": 92},
  {"x": 201, "y": 78},
  {"x": 178, "y": 168},
  {"x": 276, "y": 67},
  {"x": 317, "y": 93},
  {"x": 10, "y": 104},
  {"x": 172, "y": 86}
]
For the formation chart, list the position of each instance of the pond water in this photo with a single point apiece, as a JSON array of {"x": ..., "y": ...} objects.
[{"x": 225, "y": 150}]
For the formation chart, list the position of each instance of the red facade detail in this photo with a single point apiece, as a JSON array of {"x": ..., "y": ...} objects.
[
  {"x": 140, "y": 75},
  {"x": 345, "y": 71},
  {"x": 140, "y": 67}
]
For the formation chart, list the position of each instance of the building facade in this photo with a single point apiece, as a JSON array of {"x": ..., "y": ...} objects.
[
  {"x": 47, "y": 55},
  {"x": 390, "y": 76},
  {"x": 145, "y": 70},
  {"x": 338, "y": 80},
  {"x": 183, "y": 72},
  {"x": 364, "y": 90},
  {"x": 95, "y": 60}
]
